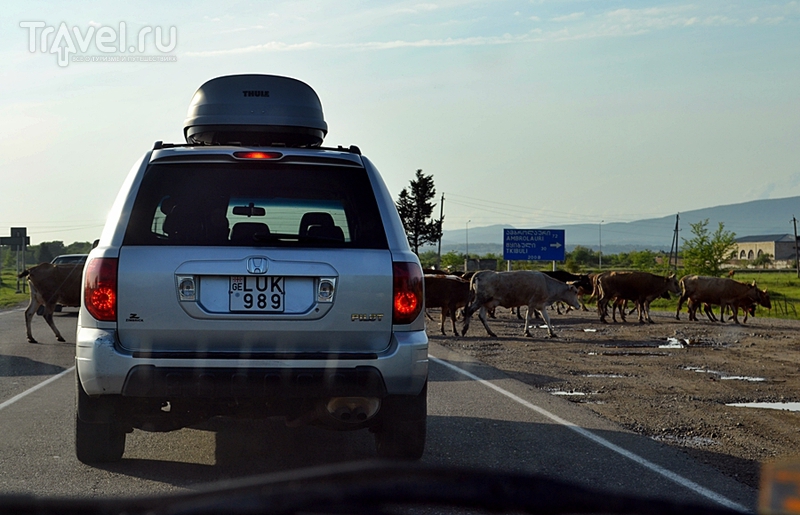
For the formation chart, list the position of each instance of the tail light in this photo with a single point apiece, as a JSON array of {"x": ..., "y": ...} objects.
[
  {"x": 407, "y": 299},
  {"x": 100, "y": 289}
]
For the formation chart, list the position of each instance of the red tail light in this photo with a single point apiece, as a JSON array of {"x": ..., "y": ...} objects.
[
  {"x": 258, "y": 155},
  {"x": 100, "y": 289},
  {"x": 407, "y": 299}
]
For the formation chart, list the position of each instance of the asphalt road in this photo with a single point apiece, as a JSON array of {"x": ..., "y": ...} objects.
[{"x": 477, "y": 417}]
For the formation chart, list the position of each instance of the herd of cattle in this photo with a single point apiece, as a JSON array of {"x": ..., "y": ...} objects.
[{"x": 485, "y": 290}]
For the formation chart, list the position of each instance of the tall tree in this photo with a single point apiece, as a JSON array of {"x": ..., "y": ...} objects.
[
  {"x": 47, "y": 250},
  {"x": 705, "y": 253},
  {"x": 415, "y": 206}
]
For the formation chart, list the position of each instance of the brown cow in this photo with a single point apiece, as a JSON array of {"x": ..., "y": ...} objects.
[
  {"x": 50, "y": 285},
  {"x": 720, "y": 291},
  {"x": 518, "y": 288},
  {"x": 447, "y": 292},
  {"x": 640, "y": 287},
  {"x": 747, "y": 306}
]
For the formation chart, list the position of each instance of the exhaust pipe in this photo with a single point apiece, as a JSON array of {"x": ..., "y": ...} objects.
[{"x": 353, "y": 410}]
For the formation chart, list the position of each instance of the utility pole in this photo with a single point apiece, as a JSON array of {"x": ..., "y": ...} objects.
[
  {"x": 674, "y": 244},
  {"x": 796, "y": 260},
  {"x": 441, "y": 221},
  {"x": 466, "y": 258},
  {"x": 600, "y": 241}
]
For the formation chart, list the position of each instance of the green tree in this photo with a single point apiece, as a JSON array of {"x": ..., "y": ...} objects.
[
  {"x": 78, "y": 247},
  {"x": 582, "y": 257},
  {"x": 643, "y": 259},
  {"x": 570, "y": 265},
  {"x": 47, "y": 250},
  {"x": 763, "y": 260},
  {"x": 452, "y": 261},
  {"x": 705, "y": 253},
  {"x": 415, "y": 207},
  {"x": 428, "y": 259}
]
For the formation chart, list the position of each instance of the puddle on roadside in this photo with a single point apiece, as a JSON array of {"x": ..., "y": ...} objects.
[
  {"x": 613, "y": 376},
  {"x": 628, "y": 353},
  {"x": 725, "y": 377},
  {"x": 683, "y": 343},
  {"x": 568, "y": 394},
  {"x": 673, "y": 343},
  {"x": 783, "y": 406}
]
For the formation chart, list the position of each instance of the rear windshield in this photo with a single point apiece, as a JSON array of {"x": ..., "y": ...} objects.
[{"x": 245, "y": 204}]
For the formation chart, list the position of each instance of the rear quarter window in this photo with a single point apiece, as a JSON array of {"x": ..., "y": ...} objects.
[{"x": 256, "y": 204}]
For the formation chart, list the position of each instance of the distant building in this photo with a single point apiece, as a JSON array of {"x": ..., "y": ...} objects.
[{"x": 779, "y": 246}]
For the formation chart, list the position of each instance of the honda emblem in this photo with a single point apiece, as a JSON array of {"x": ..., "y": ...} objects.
[{"x": 257, "y": 265}]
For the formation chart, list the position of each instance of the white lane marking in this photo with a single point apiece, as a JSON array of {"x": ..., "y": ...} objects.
[
  {"x": 17, "y": 397},
  {"x": 672, "y": 476}
]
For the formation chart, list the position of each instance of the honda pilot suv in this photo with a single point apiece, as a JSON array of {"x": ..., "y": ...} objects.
[{"x": 252, "y": 273}]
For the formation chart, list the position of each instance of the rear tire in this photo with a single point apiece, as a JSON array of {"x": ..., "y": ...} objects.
[
  {"x": 98, "y": 443},
  {"x": 95, "y": 441},
  {"x": 401, "y": 432}
]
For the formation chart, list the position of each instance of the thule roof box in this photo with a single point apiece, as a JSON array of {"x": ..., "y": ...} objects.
[{"x": 255, "y": 110}]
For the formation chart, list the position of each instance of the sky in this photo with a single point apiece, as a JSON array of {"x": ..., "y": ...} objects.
[{"x": 530, "y": 113}]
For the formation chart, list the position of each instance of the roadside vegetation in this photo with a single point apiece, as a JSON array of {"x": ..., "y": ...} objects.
[{"x": 8, "y": 287}]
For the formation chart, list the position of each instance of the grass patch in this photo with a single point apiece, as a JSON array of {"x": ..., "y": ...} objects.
[{"x": 8, "y": 288}]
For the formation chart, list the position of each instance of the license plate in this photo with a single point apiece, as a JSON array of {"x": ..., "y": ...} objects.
[{"x": 261, "y": 294}]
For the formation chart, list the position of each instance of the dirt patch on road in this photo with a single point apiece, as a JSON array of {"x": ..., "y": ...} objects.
[{"x": 671, "y": 380}]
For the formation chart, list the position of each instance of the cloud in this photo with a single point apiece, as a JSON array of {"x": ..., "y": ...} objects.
[
  {"x": 416, "y": 9},
  {"x": 277, "y": 46},
  {"x": 242, "y": 29},
  {"x": 569, "y": 17},
  {"x": 623, "y": 22}
]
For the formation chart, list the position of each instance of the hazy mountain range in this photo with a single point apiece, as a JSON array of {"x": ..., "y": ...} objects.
[{"x": 758, "y": 217}]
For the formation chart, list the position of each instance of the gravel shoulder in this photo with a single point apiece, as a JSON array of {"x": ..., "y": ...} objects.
[{"x": 671, "y": 381}]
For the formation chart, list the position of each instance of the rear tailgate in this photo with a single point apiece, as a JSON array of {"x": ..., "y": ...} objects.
[{"x": 286, "y": 314}]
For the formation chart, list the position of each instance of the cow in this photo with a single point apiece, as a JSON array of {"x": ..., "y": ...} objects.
[
  {"x": 447, "y": 292},
  {"x": 747, "y": 306},
  {"x": 50, "y": 285},
  {"x": 529, "y": 288},
  {"x": 640, "y": 287},
  {"x": 720, "y": 291},
  {"x": 581, "y": 281}
]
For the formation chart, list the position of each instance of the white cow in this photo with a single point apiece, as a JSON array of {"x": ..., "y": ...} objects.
[{"x": 518, "y": 288}]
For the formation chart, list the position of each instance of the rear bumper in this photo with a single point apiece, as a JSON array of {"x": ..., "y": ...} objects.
[
  {"x": 103, "y": 370},
  {"x": 213, "y": 383}
]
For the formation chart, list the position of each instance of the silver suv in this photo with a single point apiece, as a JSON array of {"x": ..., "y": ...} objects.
[{"x": 252, "y": 273}]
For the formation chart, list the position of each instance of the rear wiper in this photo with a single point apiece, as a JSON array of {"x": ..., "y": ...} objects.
[{"x": 276, "y": 236}]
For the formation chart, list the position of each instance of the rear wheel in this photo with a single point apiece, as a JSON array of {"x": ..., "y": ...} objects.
[
  {"x": 97, "y": 438},
  {"x": 401, "y": 432}
]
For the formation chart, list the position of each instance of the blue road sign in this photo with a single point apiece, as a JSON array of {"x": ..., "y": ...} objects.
[{"x": 533, "y": 244}]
